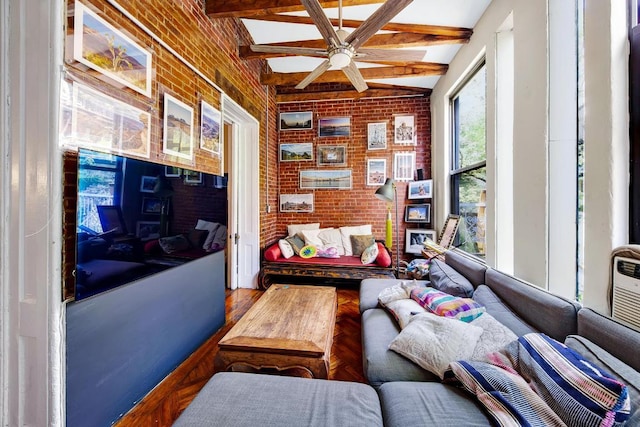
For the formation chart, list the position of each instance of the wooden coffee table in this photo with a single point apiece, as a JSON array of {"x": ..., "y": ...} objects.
[{"x": 289, "y": 329}]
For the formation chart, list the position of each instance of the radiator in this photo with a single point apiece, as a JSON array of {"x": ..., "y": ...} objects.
[{"x": 626, "y": 291}]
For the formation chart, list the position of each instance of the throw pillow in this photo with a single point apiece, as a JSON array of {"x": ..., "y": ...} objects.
[
  {"x": 196, "y": 238},
  {"x": 360, "y": 242},
  {"x": 328, "y": 252},
  {"x": 285, "y": 248},
  {"x": 174, "y": 243},
  {"x": 206, "y": 225},
  {"x": 312, "y": 237},
  {"x": 272, "y": 253},
  {"x": 401, "y": 290},
  {"x": 403, "y": 310},
  {"x": 296, "y": 243},
  {"x": 219, "y": 240},
  {"x": 331, "y": 237},
  {"x": 346, "y": 232},
  {"x": 308, "y": 251},
  {"x": 293, "y": 229},
  {"x": 446, "y": 279},
  {"x": 433, "y": 342},
  {"x": 446, "y": 305},
  {"x": 369, "y": 254},
  {"x": 384, "y": 257},
  {"x": 495, "y": 336}
]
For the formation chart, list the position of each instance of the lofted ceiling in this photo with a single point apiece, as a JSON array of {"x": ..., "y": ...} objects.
[{"x": 437, "y": 28}]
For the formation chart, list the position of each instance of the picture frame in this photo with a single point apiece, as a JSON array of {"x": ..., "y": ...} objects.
[
  {"x": 210, "y": 128},
  {"x": 148, "y": 183},
  {"x": 414, "y": 239},
  {"x": 417, "y": 213},
  {"x": 172, "y": 172},
  {"x": 177, "y": 135},
  {"x": 376, "y": 171},
  {"x": 297, "y": 120},
  {"x": 377, "y": 136},
  {"x": 192, "y": 177},
  {"x": 147, "y": 230},
  {"x": 296, "y": 152},
  {"x": 151, "y": 205},
  {"x": 422, "y": 189},
  {"x": 326, "y": 179},
  {"x": 334, "y": 126},
  {"x": 404, "y": 165},
  {"x": 100, "y": 46},
  {"x": 296, "y": 203},
  {"x": 404, "y": 130},
  {"x": 449, "y": 230},
  {"x": 332, "y": 155}
]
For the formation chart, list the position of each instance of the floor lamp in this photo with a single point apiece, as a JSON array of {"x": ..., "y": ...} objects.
[
  {"x": 388, "y": 193},
  {"x": 164, "y": 190}
]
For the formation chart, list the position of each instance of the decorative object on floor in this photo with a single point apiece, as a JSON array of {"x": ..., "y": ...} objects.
[
  {"x": 299, "y": 120},
  {"x": 296, "y": 152},
  {"x": 297, "y": 203},
  {"x": 332, "y": 155},
  {"x": 210, "y": 128},
  {"x": 420, "y": 189},
  {"x": 418, "y": 213},
  {"x": 377, "y": 136},
  {"x": 404, "y": 130},
  {"x": 415, "y": 238},
  {"x": 404, "y": 165},
  {"x": 376, "y": 171},
  {"x": 178, "y": 128},
  {"x": 389, "y": 194}
]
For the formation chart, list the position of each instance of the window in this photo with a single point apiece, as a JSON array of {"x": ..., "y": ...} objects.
[{"x": 468, "y": 169}]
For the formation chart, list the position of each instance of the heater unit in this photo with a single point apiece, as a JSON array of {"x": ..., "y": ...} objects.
[{"x": 626, "y": 291}]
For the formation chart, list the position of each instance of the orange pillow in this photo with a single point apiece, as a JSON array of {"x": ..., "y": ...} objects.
[{"x": 384, "y": 258}]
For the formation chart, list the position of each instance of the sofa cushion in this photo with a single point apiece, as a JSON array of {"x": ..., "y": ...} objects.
[
  {"x": 470, "y": 267},
  {"x": 419, "y": 404},
  {"x": 498, "y": 309},
  {"x": 443, "y": 277},
  {"x": 238, "y": 399}
]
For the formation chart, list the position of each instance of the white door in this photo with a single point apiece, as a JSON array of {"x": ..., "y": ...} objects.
[{"x": 243, "y": 262}]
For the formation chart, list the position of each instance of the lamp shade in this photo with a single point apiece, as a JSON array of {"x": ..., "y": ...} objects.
[{"x": 386, "y": 192}]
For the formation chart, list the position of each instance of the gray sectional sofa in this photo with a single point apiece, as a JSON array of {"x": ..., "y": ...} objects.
[{"x": 408, "y": 395}]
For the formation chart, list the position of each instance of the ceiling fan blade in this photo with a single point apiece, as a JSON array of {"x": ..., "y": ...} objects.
[
  {"x": 365, "y": 54},
  {"x": 314, "y": 74},
  {"x": 355, "y": 77},
  {"x": 290, "y": 50},
  {"x": 372, "y": 25},
  {"x": 315, "y": 11}
]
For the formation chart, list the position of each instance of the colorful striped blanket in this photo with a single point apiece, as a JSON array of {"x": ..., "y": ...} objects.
[{"x": 537, "y": 381}]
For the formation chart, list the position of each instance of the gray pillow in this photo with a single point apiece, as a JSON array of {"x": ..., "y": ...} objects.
[
  {"x": 446, "y": 279},
  {"x": 174, "y": 243},
  {"x": 296, "y": 243}
]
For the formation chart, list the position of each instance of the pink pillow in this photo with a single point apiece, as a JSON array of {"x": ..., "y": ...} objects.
[
  {"x": 272, "y": 253},
  {"x": 384, "y": 258}
]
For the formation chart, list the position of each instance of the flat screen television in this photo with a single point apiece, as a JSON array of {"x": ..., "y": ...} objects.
[{"x": 136, "y": 218}]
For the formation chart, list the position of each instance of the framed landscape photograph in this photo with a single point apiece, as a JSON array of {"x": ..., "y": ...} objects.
[
  {"x": 296, "y": 152},
  {"x": 151, "y": 205},
  {"x": 377, "y": 136},
  {"x": 404, "y": 165},
  {"x": 177, "y": 138},
  {"x": 210, "y": 128},
  {"x": 332, "y": 155},
  {"x": 415, "y": 238},
  {"x": 297, "y": 203},
  {"x": 192, "y": 177},
  {"x": 326, "y": 179},
  {"x": 101, "y": 47},
  {"x": 300, "y": 120},
  {"x": 334, "y": 126},
  {"x": 147, "y": 230},
  {"x": 376, "y": 171},
  {"x": 148, "y": 183},
  {"x": 417, "y": 213},
  {"x": 404, "y": 130},
  {"x": 420, "y": 189}
]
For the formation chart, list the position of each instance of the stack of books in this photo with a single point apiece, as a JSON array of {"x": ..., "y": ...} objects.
[{"x": 433, "y": 250}]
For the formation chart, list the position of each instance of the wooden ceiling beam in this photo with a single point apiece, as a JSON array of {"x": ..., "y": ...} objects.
[
  {"x": 244, "y": 9},
  {"x": 349, "y": 94}
]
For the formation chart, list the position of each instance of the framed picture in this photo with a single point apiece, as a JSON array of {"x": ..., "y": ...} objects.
[
  {"x": 147, "y": 230},
  {"x": 448, "y": 232},
  {"x": 148, "y": 183},
  {"x": 297, "y": 203},
  {"x": 192, "y": 177},
  {"x": 296, "y": 152},
  {"x": 172, "y": 172},
  {"x": 101, "y": 47},
  {"x": 404, "y": 130},
  {"x": 299, "y": 120},
  {"x": 404, "y": 165},
  {"x": 377, "y": 136},
  {"x": 210, "y": 128},
  {"x": 177, "y": 138},
  {"x": 151, "y": 205},
  {"x": 420, "y": 189},
  {"x": 376, "y": 171},
  {"x": 325, "y": 179},
  {"x": 334, "y": 126},
  {"x": 417, "y": 213},
  {"x": 415, "y": 238},
  {"x": 332, "y": 155}
]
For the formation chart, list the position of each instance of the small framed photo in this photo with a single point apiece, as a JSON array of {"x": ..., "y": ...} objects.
[
  {"x": 420, "y": 189},
  {"x": 177, "y": 136},
  {"x": 151, "y": 205},
  {"x": 172, "y": 172},
  {"x": 299, "y": 120},
  {"x": 404, "y": 130},
  {"x": 210, "y": 128},
  {"x": 297, "y": 203},
  {"x": 376, "y": 171},
  {"x": 448, "y": 232},
  {"x": 332, "y": 155},
  {"x": 415, "y": 238},
  {"x": 334, "y": 126},
  {"x": 404, "y": 165},
  {"x": 192, "y": 177},
  {"x": 296, "y": 152},
  {"x": 148, "y": 183},
  {"x": 147, "y": 230},
  {"x": 417, "y": 213},
  {"x": 377, "y": 136},
  {"x": 339, "y": 179}
]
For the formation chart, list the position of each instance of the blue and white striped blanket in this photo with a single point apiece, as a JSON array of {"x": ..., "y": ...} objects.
[{"x": 537, "y": 381}]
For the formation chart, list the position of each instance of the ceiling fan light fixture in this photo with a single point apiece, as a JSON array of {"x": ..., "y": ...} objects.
[{"x": 340, "y": 57}]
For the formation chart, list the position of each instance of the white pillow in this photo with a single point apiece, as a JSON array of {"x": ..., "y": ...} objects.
[
  {"x": 433, "y": 342},
  {"x": 206, "y": 225},
  {"x": 346, "y": 232},
  {"x": 312, "y": 237},
  {"x": 401, "y": 290},
  {"x": 370, "y": 254},
  {"x": 331, "y": 237},
  {"x": 219, "y": 239},
  {"x": 403, "y": 310},
  {"x": 286, "y": 249},
  {"x": 495, "y": 336},
  {"x": 294, "y": 229}
]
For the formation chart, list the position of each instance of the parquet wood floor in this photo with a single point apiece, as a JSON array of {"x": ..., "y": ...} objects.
[{"x": 167, "y": 401}]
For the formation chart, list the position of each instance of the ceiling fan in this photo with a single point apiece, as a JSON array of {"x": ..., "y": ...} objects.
[{"x": 343, "y": 48}]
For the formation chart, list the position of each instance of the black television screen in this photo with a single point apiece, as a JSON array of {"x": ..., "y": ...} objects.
[{"x": 136, "y": 218}]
